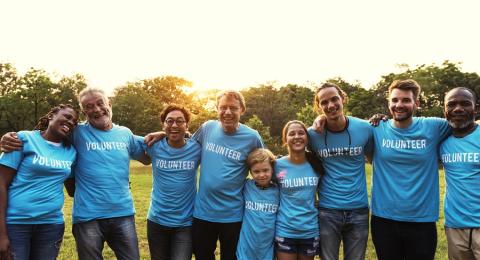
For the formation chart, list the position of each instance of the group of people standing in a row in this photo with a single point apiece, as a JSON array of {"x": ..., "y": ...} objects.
[{"x": 272, "y": 215}]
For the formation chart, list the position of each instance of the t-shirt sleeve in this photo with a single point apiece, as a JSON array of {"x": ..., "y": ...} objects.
[
  {"x": 72, "y": 171},
  {"x": 258, "y": 141},
  {"x": 441, "y": 125},
  {"x": 198, "y": 135},
  {"x": 13, "y": 159},
  {"x": 369, "y": 145},
  {"x": 136, "y": 148},
  {"x": 310, "y": 145}
]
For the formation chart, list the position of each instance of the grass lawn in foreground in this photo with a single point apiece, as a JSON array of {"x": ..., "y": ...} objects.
[{"x": 141, "y": 183}]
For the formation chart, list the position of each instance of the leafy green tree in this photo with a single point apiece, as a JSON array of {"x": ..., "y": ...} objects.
[
  {"x": 138, "y": 105},
  {"x": 25, "y": 98},
  {"x": 307, "y": 115},
  {"x": 435, "y": 81},
  {"x": 293, "y": 99},
  {"x": 362, "y": 103},
  {"x": 67, "y": 89},
  {"x": 134, "y": 108},
  {"x": 8, "y": 78},
  {"x": 264, "y": 131},
  {"x": 264, "y": 102},
  {"x": 200, "y": 117},
  {"x": 203, "y": 108},
  {"x": 276, "y": 106},
  {"x": 256, "y": 123},
  {"x": 8, "y": 85}
]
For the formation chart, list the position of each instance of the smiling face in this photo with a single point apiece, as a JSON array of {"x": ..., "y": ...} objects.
[
  {"x": 262, "y": 173},
  {"x": 402, "y": 104},
  {"x": 460, "y": 109},
  {"x": 97, "y": 109},
  {"x": 61, "y": 124},
  {"x": 296, "y": 138},
  {"x": 175, "y": 126},
  {"x": 229, "y": 111},
  {"x": 330, "y": 102}
]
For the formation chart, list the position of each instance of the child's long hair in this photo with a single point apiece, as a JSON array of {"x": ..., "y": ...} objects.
[
  {"x": 260, "y": 155},
  {"x": 310, "y": 156}
]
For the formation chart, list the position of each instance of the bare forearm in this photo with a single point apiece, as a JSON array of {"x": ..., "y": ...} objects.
[
  {"x": 3, "y": 209},
  {"x": 145, "y": 159}
]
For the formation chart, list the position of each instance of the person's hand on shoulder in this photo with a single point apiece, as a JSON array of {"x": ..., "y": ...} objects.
[
  {"x": 10, "y": 142},
  {"x": 319, "y": 123},
  {"x": 154, "y": 137},
  {"x": 375, "y": 119}
]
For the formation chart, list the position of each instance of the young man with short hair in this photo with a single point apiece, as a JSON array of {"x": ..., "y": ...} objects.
[{"x": 405, "y": 191}]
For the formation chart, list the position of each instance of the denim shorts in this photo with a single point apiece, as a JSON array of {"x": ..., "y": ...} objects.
[{"x": 308, "y": 247}]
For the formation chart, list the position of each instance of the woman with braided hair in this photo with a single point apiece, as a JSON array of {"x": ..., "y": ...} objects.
[{"x": 31, "y": 188}]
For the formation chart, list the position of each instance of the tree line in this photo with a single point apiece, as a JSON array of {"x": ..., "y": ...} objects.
[{"x": 137, "y": 105}]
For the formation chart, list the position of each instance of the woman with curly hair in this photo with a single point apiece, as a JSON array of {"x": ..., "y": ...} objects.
[{"x": 31, "y": 188}]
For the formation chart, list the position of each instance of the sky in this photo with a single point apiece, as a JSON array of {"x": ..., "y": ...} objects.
[{"x": 235, "y": 44}]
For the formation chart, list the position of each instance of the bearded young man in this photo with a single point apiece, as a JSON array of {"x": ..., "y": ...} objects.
[{"x": 405, "y": 191}]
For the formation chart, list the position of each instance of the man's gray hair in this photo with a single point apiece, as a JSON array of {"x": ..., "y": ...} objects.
[{"x": 90, "y": 90}]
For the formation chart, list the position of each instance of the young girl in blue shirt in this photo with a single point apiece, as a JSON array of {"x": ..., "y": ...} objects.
[
  {"x": 261, "y": 203},
  {"x": 298, "y": 174}
]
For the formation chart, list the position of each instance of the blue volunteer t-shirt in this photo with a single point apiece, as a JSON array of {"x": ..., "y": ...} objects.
[
  {"x": 102, "y": 172},
  {"x": 461, "y": 161},
  {"x": 35, "y": 195},
  {"x": 405, "y": 170},
  {"x": 223, "y": 171},
  {"x": 297, "y": 216},
  {"x": 258, "y": 226},
  {"x": 344, "y": 184},
  {"x": 174, "y": 182}
]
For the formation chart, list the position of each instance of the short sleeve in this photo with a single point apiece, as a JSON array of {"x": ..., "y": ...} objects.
[
  {"x": 136, "y": 148},
  {"x": 199, "y": 134}
]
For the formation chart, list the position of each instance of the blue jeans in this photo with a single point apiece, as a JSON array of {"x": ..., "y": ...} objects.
[
  {"x": 169, "y": 242},
  {"x": 35, "y": 241},
  {"x": 119, "y": 233},
  {"x": 297, "y": 246},
  {"x": 351, "y": 226}
]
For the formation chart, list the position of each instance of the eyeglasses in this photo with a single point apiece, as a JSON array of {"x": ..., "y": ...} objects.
[
  {"x": 178, "y": 121},
  {"x": 225, "y": 108}
]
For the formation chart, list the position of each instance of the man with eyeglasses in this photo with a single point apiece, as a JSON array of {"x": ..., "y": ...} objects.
[
  {"x": 219, "y": 204},
  {"x": 343, "y": 200},
  {"x": 175, "y": 162}
]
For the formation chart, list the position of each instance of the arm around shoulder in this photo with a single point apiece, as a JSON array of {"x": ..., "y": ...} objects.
[
  {"x": 6, "y": 177},
  {"x": 10, "y": 142}
]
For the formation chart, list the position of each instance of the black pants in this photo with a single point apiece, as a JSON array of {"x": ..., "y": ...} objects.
[
  {"x": 206, "y": 234},
  {"x": 403, "y": 240}
]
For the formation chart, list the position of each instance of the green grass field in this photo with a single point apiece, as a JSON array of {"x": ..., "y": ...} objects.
[{"x": 141, "y": 185}]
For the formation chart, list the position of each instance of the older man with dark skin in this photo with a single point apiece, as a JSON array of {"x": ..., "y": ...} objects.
[{"x": 460, "y": 154}]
